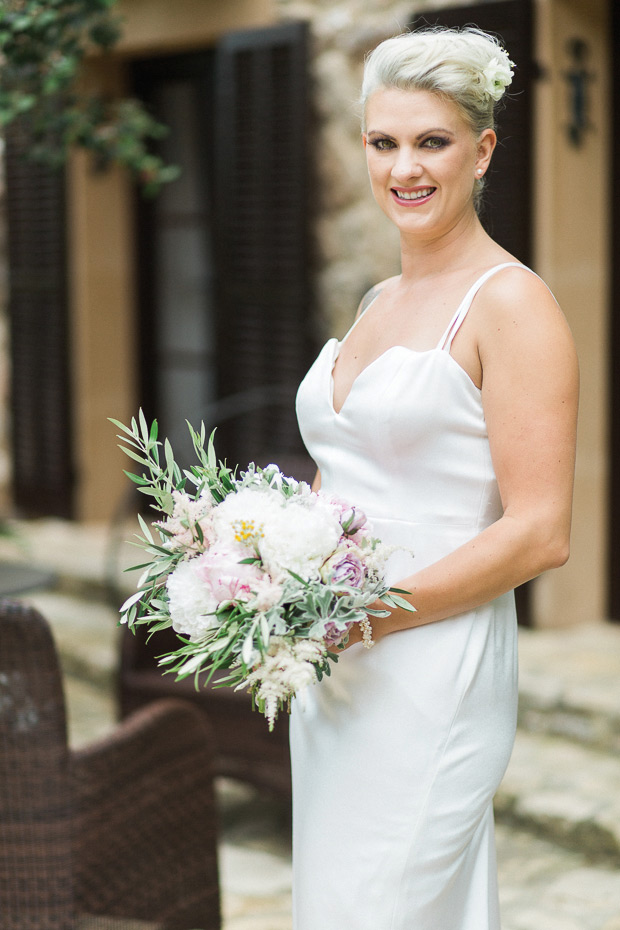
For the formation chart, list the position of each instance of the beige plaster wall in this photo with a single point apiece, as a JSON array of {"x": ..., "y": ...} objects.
[
  {"x": 172, "y": 25},
  {"x": 572, "y": 254},
  {"x": 102, "y": 321}
]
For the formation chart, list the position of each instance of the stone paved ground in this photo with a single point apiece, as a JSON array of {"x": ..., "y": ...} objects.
[{"x": 558, "y": 808}]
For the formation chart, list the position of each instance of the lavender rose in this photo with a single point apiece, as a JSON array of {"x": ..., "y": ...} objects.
[
  {"x": 344, "y": 567},
  {"x": 334, "y": 632}
]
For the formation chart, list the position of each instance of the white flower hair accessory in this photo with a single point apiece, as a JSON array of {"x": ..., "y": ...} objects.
[{"x": 497, "y": 76}]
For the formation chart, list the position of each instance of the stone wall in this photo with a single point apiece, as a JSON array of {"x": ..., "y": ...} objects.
[
  {"x": 4, "y": 349},
  {"x": 356, "y": 246}
]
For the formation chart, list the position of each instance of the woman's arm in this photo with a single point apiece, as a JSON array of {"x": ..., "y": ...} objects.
[{"x": 529, "y": 394}]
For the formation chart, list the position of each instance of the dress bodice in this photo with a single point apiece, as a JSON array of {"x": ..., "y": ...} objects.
[{"x": 410, "y": 441}]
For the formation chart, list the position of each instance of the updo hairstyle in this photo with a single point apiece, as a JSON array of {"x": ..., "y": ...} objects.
[{"x": 467, "y": 66}]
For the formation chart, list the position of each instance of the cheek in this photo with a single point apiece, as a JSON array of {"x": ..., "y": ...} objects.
[{"x": 377, "y": 170}]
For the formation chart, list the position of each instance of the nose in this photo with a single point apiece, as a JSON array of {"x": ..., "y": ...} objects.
[{"x": 407, "y": 165}]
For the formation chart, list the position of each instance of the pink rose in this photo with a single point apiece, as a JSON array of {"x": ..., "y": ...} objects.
[{"x": 352, "y": 520}]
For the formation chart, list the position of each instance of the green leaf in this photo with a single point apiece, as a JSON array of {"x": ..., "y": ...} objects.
[
  {"x": 394, "y": 600},
  {"x": 145, "y": 528},
  {"x": 121, "y": 426},
  {"x": 131, "y": 601},
  {"x": 169, "y": 456},
  {"x": 143, "y": 427},
  {"x": 134, "y": 455}
]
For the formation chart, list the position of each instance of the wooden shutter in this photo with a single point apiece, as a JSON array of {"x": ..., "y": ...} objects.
[
  {"x": 507, "y": 212},
  {"x": 40, "y": 413},
  {"x": 613, "y": 565},
  {"x": 262, "y": 192}
]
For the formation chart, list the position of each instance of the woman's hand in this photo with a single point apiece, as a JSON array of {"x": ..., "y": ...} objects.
[{"x": 356, "y": 634}]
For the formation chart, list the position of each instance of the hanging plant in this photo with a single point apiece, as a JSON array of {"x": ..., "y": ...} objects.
[{"x": 43, "y": 44}]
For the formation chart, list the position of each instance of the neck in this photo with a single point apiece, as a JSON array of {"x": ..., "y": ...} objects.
[{"x": 460, "y": 246}]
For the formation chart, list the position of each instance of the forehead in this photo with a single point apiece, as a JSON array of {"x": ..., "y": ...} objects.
[{"x": 412, "y": 110}]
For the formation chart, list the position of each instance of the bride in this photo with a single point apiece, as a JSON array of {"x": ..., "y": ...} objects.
[{"x": 448, "y": 415}]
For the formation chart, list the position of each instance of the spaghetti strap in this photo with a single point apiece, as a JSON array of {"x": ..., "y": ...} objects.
[
  {"x": 454, "y": 325},
  {"x": 357, "y": 319}
]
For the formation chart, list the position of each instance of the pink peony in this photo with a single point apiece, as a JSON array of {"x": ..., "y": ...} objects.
[{"x": 225, "y": 576}]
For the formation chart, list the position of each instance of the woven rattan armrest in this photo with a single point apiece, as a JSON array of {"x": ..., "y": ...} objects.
[{"x": 144, "y": 838}]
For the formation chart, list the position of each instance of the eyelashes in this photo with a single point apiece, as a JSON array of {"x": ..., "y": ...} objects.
[
  {"x": 435, "y": 142},
  {"x": 432, "y": 143}
]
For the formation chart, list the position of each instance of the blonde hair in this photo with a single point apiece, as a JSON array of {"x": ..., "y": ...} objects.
[{"x": 467, "y": 66}]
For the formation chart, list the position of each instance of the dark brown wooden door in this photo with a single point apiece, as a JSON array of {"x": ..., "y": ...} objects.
[
  {"x": 224, "y": 251},
  {"x": 507, "y": 213},
  {"x": 262, "y": 200}
]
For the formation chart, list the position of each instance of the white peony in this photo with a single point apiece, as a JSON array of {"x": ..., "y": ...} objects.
[
  {"x": 241, "y": 518},
  {"x": 192, "y": 603},
  {"x": 299, "y": 539},
  {"x": 288, "y": 534}
]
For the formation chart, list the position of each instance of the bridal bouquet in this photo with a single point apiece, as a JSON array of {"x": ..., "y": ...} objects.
[{"x": 257, "y": 574}]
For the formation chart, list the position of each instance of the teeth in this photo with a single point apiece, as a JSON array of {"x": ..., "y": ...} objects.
[{"x": 414, "y": 195}]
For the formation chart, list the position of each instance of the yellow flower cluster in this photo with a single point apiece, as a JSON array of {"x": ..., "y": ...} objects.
[{"x": 246, "y": 530}]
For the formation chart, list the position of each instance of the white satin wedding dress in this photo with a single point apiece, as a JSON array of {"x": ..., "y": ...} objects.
[{"x": 396, "y": 756}]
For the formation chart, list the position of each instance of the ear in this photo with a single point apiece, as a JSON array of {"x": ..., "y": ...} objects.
[{"x": 484, "y": 148}]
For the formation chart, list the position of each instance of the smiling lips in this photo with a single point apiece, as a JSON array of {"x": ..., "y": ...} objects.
[{"x": 414, "y": 196}]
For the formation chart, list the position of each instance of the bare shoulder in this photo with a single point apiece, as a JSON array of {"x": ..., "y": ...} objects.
[
  {"x": 371, "y": 294},
  {"x": 516, "y": 305},
  {"x": 524, "y": 341}
]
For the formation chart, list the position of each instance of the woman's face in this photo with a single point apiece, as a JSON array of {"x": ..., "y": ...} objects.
[{"x": 422, "y": 160}]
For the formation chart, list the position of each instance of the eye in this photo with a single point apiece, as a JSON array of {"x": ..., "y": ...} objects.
[
  {"x": 382, "y": 145},
  {"x": 435, "y": 142}
]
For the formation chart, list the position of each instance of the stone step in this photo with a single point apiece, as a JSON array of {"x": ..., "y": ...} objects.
[
  {"x": 569, "y": 684},
  {"x": 565, "y": 793},
  {"x": 86, "y": 561}
]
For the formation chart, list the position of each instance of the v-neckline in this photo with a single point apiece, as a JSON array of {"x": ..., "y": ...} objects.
[
  {"x": 437, "y": 350},
  {"x": 442, "y": 346}
]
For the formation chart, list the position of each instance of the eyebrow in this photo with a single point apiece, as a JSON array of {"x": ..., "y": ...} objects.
[{"x": 420, "y": 135}]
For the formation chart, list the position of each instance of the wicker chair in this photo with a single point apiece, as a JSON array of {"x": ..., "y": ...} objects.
[{"x": 116, "y": 836}]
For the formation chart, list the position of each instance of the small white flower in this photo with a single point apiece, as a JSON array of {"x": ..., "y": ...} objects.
[{"x": 497, "y": 76}]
